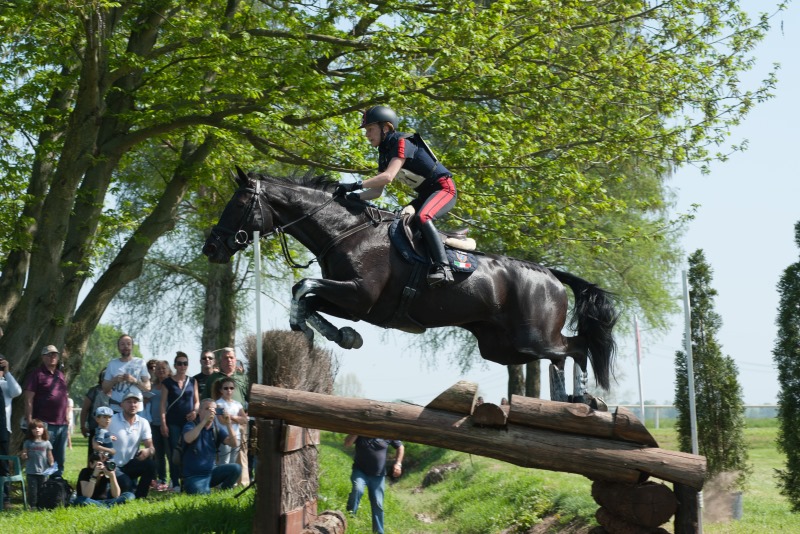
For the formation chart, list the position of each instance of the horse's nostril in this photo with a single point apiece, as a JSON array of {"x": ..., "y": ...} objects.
[{"x": 209, "y": 249}]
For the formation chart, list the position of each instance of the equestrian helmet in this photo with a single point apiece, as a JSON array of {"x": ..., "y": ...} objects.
[{"x": 379, "y": 114}]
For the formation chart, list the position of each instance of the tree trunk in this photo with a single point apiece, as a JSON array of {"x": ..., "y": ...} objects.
[
  {"x": 516, "y": 380},
  {"x": 219, "y": 320},
  {"x": 533, "y": 379}
]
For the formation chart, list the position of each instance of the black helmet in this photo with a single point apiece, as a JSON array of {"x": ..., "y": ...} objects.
[{"x": 379, "y": 114}]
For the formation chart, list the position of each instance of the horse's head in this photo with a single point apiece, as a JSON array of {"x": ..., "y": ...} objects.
[{"x": 244, "y": 214}]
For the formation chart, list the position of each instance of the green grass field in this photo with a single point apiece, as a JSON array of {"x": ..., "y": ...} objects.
[{"x": 483, "y": 496}]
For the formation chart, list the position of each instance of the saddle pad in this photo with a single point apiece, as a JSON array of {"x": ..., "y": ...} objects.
[{"x": 460, "y": 261}]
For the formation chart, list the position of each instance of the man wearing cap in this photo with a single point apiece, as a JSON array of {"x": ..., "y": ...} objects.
[
  {"x": 130, "y": 432},
  {"x": 46, "y": 399},
  {"x": 125, "y": 374}
]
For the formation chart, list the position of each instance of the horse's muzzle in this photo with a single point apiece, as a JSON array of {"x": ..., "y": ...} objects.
[{"x": 216, "y": 251}]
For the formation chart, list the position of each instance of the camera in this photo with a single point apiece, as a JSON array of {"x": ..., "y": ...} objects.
[{"x": 111, "y": 465}]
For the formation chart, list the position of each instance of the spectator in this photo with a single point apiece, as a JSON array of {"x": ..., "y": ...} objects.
[
  {"x": 180, "y": 403},
  {"x": 103, "y": 441},
  {"x": 202, "y": 438},
  {"x": 38, "y": 453},
  {"x": 125, "y": 374},
  {"x": 96, "y": 482},
  {"x": 46, "y": 400},
  {"x": 94, "y": 399},
  {"x": 132, "y": 431},
  {"x": 207, "y": 363},
  {"x": 227, "y": 369},
  {"x": 9, "y": 389},
  {"x": 151, "y": 368},
  {"x": 160, "y": 442},
  {"x": 233, "y": 411},
  {"x": 369, "y": 469}
]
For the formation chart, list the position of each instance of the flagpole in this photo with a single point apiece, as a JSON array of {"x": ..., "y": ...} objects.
[{"x": 257, "y": 258}]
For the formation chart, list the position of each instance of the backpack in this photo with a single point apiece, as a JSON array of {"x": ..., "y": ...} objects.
[{"x": 54, "y": 493}]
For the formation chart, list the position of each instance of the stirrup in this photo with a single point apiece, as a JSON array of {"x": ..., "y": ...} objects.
[{"x": 441, "y": 274}]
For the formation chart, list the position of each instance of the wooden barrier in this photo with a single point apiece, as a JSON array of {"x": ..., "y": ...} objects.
[{"x": 614, "y": 448}]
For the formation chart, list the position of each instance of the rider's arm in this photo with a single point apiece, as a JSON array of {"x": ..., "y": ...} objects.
[{"x": 380, "y": 180}]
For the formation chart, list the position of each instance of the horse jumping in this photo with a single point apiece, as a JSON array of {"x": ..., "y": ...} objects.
[{"x": 516, "y": 309}]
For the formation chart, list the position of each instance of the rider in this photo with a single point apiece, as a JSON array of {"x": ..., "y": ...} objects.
[{"x": 407, "y": 158}]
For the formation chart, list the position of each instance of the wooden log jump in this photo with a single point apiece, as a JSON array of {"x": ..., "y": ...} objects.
[{"x": 538, "y": 434}]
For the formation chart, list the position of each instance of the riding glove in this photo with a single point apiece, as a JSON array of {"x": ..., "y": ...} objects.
[
  {"x": 347, "y": 187},
  {"x": 353, "y": 196}
]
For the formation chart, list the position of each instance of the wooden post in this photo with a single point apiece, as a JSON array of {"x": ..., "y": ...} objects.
[
  {"x": 267, "y": 517},
  {"x": 687, "y": 518}
]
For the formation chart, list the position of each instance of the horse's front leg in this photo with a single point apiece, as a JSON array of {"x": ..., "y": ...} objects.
[{"x": 345, "y": 295}]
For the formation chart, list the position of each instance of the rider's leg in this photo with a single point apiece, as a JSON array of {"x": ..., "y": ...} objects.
[
  {"x": 441, "y": 272},
  {"x": 438, "y": 203}
]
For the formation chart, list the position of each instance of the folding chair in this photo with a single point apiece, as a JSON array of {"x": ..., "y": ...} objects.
[{"x": 19, "y": 477}]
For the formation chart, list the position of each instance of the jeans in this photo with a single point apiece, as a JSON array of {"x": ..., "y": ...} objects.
[
  {"x": 144, "y": 470},
  {"x": 58, "y": 438},
  {"x": 224, "y": 476},
  {"x": 375, "y": 485},
  {"x": 104, "y": 503},
  {"x": 34, "y": 482},
  {"x": 174, "y": 436},
  {"x": 161, "y": 446}
]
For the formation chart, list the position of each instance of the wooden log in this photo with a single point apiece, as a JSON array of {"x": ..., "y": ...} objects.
[
  {"x": 648, "y": 505},
  {"x": 328, "y": 522},
  {"x": 459, "y": 398},
  {"x": 616, "y": 525},
  {"x": 490, "y": 415},
  {"x": 596, "y": 458},
  {"x": 579, "y": 419}
]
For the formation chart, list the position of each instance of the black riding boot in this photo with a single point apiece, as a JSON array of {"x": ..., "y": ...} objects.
[{"x": 440, "y": 272}]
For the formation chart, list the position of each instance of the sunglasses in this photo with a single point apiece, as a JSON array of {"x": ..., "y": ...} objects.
[
  {"x": 229, "y": 389},
  {"x": 206, "y": 358},
  {"x": 181, "y": 363}
]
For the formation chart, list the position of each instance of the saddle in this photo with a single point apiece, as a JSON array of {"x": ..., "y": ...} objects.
[{"x": 460, "y": 249}]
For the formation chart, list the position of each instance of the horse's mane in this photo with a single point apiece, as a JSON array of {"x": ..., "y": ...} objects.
[{"x": 322, "y": 182}]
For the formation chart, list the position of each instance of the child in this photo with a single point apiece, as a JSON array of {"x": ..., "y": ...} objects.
[
  {"x": 103, "y": 441},
  {"x": 38, "y": 452},
  {"x": 227, "y": 407}
]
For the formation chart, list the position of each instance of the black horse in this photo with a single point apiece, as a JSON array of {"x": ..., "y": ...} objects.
[{"x": 516, "y": 309}]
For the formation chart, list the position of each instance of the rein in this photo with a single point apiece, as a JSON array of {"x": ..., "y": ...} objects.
[{"x": 280, "y": 231}]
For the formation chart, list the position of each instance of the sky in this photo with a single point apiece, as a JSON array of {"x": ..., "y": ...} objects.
[{"x": 744, "y": 223}]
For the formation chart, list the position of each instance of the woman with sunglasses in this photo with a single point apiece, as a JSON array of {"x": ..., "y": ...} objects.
[
  {"x": 180, "y": 403},
  {"x": 229, "y": 409}
]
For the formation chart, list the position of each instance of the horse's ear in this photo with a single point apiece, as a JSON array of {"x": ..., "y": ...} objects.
[{"x": 241, "y": 177}]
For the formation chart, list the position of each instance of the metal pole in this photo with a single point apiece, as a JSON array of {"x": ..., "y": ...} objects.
[
  {"x": 257, "y": 257},
  {"x": 690, "y": 374},
  {"x": 639, "y": 369}
]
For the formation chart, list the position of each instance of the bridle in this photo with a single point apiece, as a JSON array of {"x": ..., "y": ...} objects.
[{"x": 241, "y": 239}]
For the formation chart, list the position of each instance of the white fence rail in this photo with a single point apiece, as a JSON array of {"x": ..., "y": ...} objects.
[{"x": 655, "y": 413}]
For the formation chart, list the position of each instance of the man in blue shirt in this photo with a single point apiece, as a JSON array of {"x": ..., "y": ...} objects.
[
  {"x": 369, "y": 469},
  {"x": 202, "y": 437}
]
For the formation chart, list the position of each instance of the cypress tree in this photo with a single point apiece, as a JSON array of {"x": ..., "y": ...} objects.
[
  {"x": 787, "y": 359},
  {"x": 718, "y": 394}
]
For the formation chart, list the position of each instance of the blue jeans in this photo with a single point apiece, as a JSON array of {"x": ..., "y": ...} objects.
[
  {"x": 224, "y": 476},
  {"x": 375, "y": 485},
  {"x": 174, "y": 436},
  {"x": 58, "y": 438},
  {"x": 104, "y": 503}
]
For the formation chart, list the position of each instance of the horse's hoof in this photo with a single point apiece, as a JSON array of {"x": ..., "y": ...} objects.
[
  {"x": 596, "y": 403},
  {"x": 350, "y": 339}
]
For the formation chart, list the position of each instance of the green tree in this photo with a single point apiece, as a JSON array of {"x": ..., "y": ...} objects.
[
  {"x": 787, "y": 358},
  {"x": 529, "y": 99},
  {"x": 718, "y": 394}
]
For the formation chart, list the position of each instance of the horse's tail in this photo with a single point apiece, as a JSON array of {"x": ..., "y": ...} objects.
[{"x": 593, "y": 318}]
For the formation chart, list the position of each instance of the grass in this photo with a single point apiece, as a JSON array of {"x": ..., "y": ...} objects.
[{"x": 484, "y": 496}]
